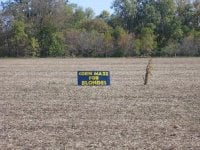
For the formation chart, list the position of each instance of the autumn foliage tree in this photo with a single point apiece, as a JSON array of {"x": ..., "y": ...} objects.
[{"x": 50, "y": 28}]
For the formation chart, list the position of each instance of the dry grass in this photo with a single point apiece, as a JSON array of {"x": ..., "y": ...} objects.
[
  {"x": 148, "y": 71},
  {"x": 42, "y": 108}
]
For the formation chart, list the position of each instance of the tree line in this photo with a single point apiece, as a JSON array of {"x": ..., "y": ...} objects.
[{"x": 51, "y": 28}]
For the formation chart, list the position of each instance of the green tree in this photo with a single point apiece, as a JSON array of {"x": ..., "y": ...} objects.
[
  {"x": 79, "y": 17},
  {"x": 167, "y": 10},
  {"x": 147, "y": 41},
  {"x": 19, "y": 38},
  {"x": 105, "y": 15},
  {"x": 126, "y": 10},
  {"x": 33, "y": 48},
  {"x": 196, "y": 16},
  {"x": 51, "y": 42},
  {"x": 147, "y": 15},
  {"x": 137, "y": 47},
  {"x": 98, "y": 25},
  {"x": 170, "y": 49},
  {"x": 57, "y": 47}
]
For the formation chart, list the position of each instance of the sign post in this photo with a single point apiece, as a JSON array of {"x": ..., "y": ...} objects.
[{"x": 93, "y": 78}]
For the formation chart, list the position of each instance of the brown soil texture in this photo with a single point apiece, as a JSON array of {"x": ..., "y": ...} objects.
[{"x": 41, "y": 106}]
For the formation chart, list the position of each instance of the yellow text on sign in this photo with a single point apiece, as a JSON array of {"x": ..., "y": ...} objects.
[
  {"x": 86, "y": 83},
  {"x": 94, "y": 78},
  {"x": 87, "y": 73},
  {"x": 97, "y": 73},
  {"x": 101, "y": 73}
]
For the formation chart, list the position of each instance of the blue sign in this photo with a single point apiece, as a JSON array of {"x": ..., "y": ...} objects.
[{"x": 93, "y": 78}]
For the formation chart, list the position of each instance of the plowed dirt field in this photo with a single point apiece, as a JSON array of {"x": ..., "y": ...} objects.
[{"x": 41, "y": 106}]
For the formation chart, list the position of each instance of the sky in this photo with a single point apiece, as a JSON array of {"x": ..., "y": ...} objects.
[{"x": 97, "y": 5}]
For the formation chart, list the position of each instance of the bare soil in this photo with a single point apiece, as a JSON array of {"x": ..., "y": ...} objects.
[{"x": 41, "y": 106}]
